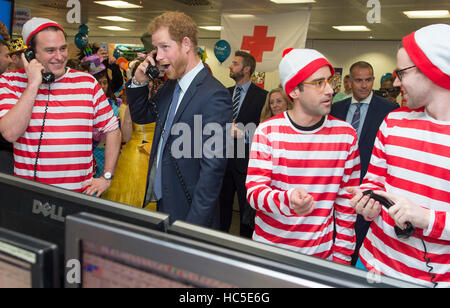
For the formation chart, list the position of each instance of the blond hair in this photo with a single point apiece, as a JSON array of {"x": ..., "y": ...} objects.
[{"x": 266, "y": 112}]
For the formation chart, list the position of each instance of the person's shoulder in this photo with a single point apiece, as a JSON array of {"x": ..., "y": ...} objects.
[
  {"x": 342, "y": 103},
  {"x": 387, "y": 104},
  {"x": 258, "y": 90}
]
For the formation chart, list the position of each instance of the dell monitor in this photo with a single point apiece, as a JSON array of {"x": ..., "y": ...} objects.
[
  {"x": 27, "y": 262},
  {"x": 315, "y": 269},
  {"x": 40, "y": 210},
  {"x": 115, "y": 254}
]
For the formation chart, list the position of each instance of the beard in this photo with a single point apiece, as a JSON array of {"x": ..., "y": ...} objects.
[
  {"x": 177, "y": 69},
  {"x": 237, "y": 75}
]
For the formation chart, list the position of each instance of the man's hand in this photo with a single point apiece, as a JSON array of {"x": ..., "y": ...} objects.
[
  {"x": 140, "y": 75},
  {"x": 363, "y": 205},
  {"x": 34, "y": 70},
  {"x": 96, "y": 187},
  {"x": 236, "y": 133},
  {"x": 405, "y": 210},
  {"x": 301, "y": 202}
]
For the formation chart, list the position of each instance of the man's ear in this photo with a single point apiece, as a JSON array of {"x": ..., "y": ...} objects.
[
  {"x": 186, "y": 44},
  {"x": 294, "y": 93}
]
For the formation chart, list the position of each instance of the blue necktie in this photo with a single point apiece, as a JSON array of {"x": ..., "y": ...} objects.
[
  {"x": 356, "y": 116},
  {"x": 236, "y": 101},
  {"x": 157, "y": 187}
]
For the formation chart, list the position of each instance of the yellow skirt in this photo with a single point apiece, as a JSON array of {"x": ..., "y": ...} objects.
[{"x": 130, "y": 179}]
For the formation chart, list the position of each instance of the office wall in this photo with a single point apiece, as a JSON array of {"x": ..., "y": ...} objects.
[
  {"x": 381, "y": 54},
  {"x": 341, "y": 53}
]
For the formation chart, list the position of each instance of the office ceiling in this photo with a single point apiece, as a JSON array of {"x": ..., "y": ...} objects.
[{"x": 325, "y": 14}]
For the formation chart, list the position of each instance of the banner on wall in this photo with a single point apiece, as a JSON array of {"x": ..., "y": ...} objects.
[{"x": 265, "y": 36}]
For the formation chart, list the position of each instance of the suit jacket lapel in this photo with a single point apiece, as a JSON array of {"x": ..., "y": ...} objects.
[
  {"x": 165, "y": 105},
  {"x": 246, "y": 103},
  {"x": 190, "y": 93},
  {"x": 368, "y": 120}
]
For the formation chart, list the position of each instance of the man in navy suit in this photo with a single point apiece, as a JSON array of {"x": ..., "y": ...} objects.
[
  {"x": 185, "y": 182},
  {"x": 365, "y": 111},
  {"x": 248, "y": 101}
]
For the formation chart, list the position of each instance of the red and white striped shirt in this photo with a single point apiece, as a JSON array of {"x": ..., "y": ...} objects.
[
  {"x": 324, "y": 161},
  {"x": 76, "y": 104},
  {"x": 411, "y": 158}
]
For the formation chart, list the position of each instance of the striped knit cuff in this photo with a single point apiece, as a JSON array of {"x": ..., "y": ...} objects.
[{"x": 436, "y": 225}]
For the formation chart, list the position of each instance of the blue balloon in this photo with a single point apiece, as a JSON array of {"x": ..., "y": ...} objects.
[
  {"x": 83, "y": 29},
  {"x": 81, "y": 40},
  {"x": 222, "y": 50}
]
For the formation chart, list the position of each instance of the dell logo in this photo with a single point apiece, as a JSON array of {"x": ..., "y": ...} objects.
[{"x": 48, "y": 210}]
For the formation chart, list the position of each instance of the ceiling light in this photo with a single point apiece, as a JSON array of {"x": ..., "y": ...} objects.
[
  {"x": 211, "y": 28},
  {"x": 116, "y": 18},
  {"x": 241, "y": 16},
  {"x": 428, "y": 14},
  {"x": 292, "y": 1},
  {"x": 351, "y": 28},
  {"x": 114, "y": 28},
  {"x": 119, "y": 4}
]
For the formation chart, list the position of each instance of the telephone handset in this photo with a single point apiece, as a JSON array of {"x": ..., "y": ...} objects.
[{"x": 46, "y": 77}]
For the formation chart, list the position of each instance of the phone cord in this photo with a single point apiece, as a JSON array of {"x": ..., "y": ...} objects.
[
  {"x": 41, "y": 136},
  {"x": 427, "y": 262}
]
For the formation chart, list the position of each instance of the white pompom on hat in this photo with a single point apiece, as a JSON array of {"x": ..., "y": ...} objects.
[
  {"x": 299, "y": 64},
  {"x": 34, "y": 26},
  {"x": 429, "y": 49}
]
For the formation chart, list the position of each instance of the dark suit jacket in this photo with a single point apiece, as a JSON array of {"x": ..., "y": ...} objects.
[
  {"x": 211, "y": 102},
  {"x": 378, "y": 110},
  {"x": 250, "y": 112}
]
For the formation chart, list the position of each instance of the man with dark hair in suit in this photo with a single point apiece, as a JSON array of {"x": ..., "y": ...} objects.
[
  {"x": 365, "y": 111},
  {"x": 187, "y": 187},
  {"x": 248, "y": 101}
]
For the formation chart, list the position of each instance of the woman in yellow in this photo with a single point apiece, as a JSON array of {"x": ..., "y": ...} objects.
[{"x": 130, "y": 179}]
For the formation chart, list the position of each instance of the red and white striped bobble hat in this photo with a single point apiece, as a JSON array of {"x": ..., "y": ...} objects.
[
  {"x": 34, "y": 26},
  {"x": 429, "y": 49},
  {"x": 299, "y": 64}
]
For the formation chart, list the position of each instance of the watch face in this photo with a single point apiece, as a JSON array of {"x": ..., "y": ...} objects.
[{"x": 107, "y": 175}]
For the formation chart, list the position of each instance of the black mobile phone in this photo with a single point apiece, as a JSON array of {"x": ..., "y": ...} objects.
[
  {"x": 152, "y": 71},
  {"x": 46, "y": 77}
]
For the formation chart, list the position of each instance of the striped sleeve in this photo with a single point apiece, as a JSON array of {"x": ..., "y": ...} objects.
[
  {"x": 260, "y": 195},
  {"x": 8, "y": 96},
  {"x": 104, "y": 119},
  {"x": 345, "y": 215}
]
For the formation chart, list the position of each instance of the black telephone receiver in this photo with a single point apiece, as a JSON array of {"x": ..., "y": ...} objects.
[
  {"x": 405, "y": 233},
  {"x": 46, "y": 77},
  {"x": 152, "y": 71}
]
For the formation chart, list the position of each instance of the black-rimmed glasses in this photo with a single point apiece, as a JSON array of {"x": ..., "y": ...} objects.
[{"x": 400, "y": 73}]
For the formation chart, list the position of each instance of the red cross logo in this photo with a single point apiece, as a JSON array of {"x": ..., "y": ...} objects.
[{"x": 258, "y": 43}]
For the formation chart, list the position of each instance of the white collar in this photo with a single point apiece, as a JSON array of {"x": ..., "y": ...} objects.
[
  {"x": 187, "y": 79},
  {"x": 364, "y": 101}
]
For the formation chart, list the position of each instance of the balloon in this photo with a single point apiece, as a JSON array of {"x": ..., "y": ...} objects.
[
  {"x": 222, "y": 50},
  {"x": 83, "y": 29},
  {"x": 81, "y": 40}
]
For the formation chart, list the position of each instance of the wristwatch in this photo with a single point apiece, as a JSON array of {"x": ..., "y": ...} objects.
[
  {"x": 139, "y": 84},
  {"x": 108, "y": 176}
]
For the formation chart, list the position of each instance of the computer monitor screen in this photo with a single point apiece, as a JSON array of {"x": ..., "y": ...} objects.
[
  {"x": 315, "y": 269},
  {"x": 39, "y": 210},
  {"x": 7, "y": 13},
  {"x": 115, "y": 254},
  {"x": 27, "y": 262}
]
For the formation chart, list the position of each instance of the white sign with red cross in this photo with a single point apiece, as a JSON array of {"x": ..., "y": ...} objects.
[{"x": 265, "y": 36}]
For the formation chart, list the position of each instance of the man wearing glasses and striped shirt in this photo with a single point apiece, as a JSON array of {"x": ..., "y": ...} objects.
[{"x": 300, "y": 163}]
